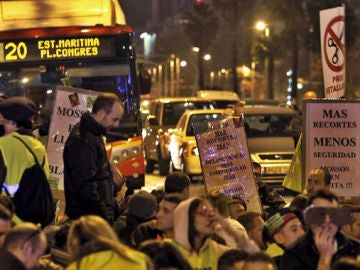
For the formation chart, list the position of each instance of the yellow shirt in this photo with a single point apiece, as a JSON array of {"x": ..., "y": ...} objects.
[
  {"x": 274, "y": 250},
  {"x": 110, "y": 260},
  {"x": 206, "y": 258}
]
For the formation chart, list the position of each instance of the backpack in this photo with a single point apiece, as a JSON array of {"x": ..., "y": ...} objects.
[{"x": 33, "y": 200}]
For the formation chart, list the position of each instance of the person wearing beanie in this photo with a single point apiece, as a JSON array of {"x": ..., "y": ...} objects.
[
  {"x": 141, "y": 207},
  {"x": 283, "y": 228},
  {"x": 163, "y": 225},
  {"x": 236, "y": 205},
  {"x": 16, "y": 114}
]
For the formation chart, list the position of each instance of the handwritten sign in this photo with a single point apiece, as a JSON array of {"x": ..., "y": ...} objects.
[{"x": 225, "y": 159}]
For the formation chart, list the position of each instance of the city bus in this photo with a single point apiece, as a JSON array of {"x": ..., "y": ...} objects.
[{"x": 77, "y": 44}]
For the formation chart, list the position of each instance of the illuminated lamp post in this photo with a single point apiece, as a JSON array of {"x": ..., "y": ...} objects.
[
  {"x": 269, "y": 59},
  {"x": 201, "y": 58}
]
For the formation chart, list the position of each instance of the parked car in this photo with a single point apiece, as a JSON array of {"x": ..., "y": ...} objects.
[
  {"x": 271, "y": 133},
  {"x": 164, "y": 114},
  {"x": 183, "y": 149}
]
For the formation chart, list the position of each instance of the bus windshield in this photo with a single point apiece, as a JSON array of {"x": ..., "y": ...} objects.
[{"x": 38, "y": 82}]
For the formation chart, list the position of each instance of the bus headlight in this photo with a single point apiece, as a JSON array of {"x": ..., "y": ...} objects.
[
  {"x": 116, "y": 159},
  {"x": 125, "y": 153},
  {"x": 135, "y": 150}
]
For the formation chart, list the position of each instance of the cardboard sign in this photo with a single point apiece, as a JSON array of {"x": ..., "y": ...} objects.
[
  {"x": 225, "y": 160},
  {"x": 332, "y": 138},
  {"x": 70, "y": 104}
]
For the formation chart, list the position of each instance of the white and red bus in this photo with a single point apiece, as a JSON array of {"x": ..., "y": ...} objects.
[{"x": 77, "y": 44}]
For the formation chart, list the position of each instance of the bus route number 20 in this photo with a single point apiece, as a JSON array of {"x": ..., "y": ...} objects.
[{"x": 15, "y": 51}]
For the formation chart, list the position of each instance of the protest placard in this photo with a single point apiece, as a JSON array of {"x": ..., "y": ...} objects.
[{"x": 225, "y": 159}]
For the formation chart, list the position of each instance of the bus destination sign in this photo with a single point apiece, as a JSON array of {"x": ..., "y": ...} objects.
[{"x": 56, "y": 49}]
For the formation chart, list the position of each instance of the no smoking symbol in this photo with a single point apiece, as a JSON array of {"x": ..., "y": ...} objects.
[{"x": 333, "y": 46}]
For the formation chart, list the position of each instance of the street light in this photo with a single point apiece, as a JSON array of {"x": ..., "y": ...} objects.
[
  {"x": 262, "y": 26},
  {"x": 183, "y": 63},
  {"x": 200, "y": 58},
  {"x": 269, "y": 60},
  {"x": 207, "y": 57}
]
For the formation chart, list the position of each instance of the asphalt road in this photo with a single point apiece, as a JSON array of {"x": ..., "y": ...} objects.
[{"x": 154, "y": 181}]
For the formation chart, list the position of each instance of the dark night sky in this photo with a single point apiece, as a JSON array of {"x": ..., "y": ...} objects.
[{"x": 137, "y": 12}]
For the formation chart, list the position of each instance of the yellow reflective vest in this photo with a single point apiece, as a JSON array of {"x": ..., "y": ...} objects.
[{"x": 17, "y": 157}]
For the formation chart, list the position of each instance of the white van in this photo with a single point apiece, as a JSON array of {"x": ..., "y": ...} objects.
[
  {"x": 271, "y": 139},
  {"x": 222, "y": 98}
]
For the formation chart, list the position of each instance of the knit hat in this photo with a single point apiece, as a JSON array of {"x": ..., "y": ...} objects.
[
  {"x": 236, "y": 200},
  {"x": 17, "y": 108},
  {"x": 176, "y": 182},
  {"x": 142, "y": 204},
  {"x": 279, "y": 219}
]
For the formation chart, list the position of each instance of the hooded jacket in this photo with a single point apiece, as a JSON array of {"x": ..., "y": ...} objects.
[
  {"x": 208, "y": 255},
  {"x": 88, "y": 182}
]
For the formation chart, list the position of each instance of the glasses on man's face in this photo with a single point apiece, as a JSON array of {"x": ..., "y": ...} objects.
[
  {"x": 316, "y": 215},
  {"x": 206, "y": 212}
]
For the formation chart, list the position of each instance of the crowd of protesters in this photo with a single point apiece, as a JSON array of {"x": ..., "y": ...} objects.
[
  {"x": 175, "y": 231},
  {"x": 168, "y": 228}
]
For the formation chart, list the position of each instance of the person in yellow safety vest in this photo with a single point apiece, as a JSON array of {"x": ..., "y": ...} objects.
[
  {"x": 16, "y": 115},
  {"x": 195, "y": 221}
]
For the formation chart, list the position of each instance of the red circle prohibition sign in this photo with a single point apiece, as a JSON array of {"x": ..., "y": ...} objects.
[{"x": 336, "y": 42}]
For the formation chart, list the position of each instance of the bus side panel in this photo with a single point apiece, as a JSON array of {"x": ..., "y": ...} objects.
[{"x": 128, "y": 155}]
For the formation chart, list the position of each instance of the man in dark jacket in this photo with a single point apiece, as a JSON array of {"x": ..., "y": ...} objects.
[
  {"x": 323, "y": 244},
  {"x": 88, "y": 181}
]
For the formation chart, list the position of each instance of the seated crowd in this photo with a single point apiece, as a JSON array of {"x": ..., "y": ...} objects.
[{"x": 168, "y": 229}]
